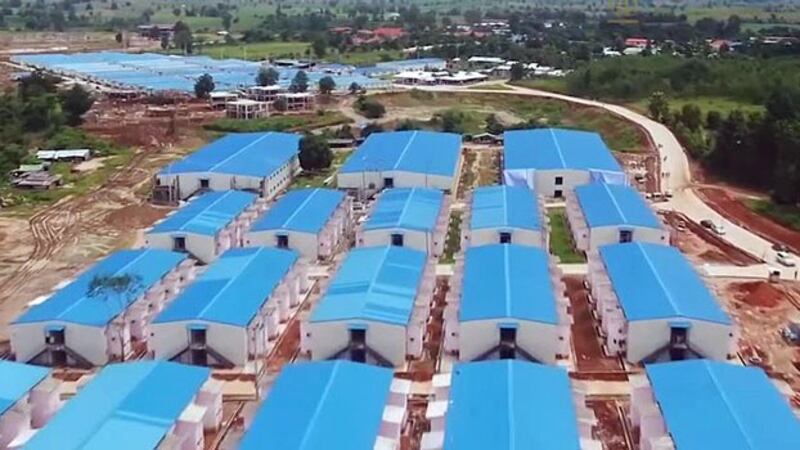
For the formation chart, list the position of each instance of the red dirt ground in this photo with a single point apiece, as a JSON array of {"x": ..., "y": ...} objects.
[
  {"x": 589, "y": 355},
  {"x": 734, "y": 210},
  {"x": 610, "y": 429},
  {"x": 759, "y": 293}
]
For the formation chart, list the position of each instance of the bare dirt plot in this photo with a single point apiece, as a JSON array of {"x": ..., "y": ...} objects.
[
  {"x": 761, "y": 310},
  {"x": 589, "y": 357},
  {"x": 701, "y": 245},
  {"x": 611, "y": 426},
  {"x": 731, "y": 206}
]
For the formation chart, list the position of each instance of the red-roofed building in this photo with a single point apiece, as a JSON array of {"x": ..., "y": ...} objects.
[
  {"x": 389, "y": 33},
  {"x": 637, "y": 42}
]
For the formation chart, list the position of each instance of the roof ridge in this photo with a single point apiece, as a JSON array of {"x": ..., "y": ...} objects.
[
  {"x": 657, "y": 276},
  {"x": 512, "y": 439},
  {"x": 725, "y": 400},
  {"x": 507, "y": 278},
  {"x": 405, "y": 149},
  {"x": 228, "y": 283},
  {"x": 223, "y": 195},
  {"x": 410, "y": 198},
  {"x": 504, "y": 190},
  {"x": 236, "y": 153},
  {"x": 374, "y": 277},
  {"x": 300, "y": 207},
  {"x": 318, "y": 409},
  {"x": 613, "y": 198},
  {"x": 558, "y": 148}
]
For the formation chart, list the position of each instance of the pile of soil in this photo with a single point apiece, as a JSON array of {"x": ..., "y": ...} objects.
[
  {"x": 760, "y": 293},
  {"x": 135, "y": 216}
]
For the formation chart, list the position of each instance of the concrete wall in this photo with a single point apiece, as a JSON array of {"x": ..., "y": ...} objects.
[
  {"x": 479, "y": 336},
  {"x": 329, "y": 338},
  {"x": 28, "y": 340},
  {"x": 169, "y": 339},
  {"x": 417, "y": 240},
  {"x": 545, "y": 181},
  {"x": 712, "y": 340},
  {"x": 486, "y": 236},
  {"x": 363, "y": 180},
  {"x": 202, "y": 247},
  {"x": 304, "y": 243},
  {"x": 610, "y": 235}
]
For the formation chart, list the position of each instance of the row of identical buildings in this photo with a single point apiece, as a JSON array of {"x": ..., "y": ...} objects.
[{"x": 220, "y": 277}]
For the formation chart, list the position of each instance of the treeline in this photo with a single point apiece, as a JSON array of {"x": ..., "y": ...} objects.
[
  {"x": 757, "y": 149},
  {"x": 748, "y": 80},
  {"x": 38, "y": 112}
]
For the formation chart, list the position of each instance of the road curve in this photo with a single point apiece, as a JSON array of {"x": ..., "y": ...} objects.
[{"x": 675, "y": 174}]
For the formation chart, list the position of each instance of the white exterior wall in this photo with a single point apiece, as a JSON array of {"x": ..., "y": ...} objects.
[
  {"x": 417, "y": 240},
  {"x": 545, "y": 181},
  {"x": 486, "y": 236},
  {"x": 202, "y": 247},
  {"x": 304, "y": 243},
  {"x": 711, "y": 340},
  {"x": 169, "y": 339},
  {"x": 600, "y": 236},
  {"x": 363, "y": 180},
  {"x": 329, "y": 338},
  {"x": 28, "y": 340},
  {"x": 273, "y": 184},
  {"x": 540, "y": 340}
]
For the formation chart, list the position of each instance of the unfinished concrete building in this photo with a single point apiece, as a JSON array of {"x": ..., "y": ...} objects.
[
  {"x": 507, "y": 405},
  {"x": 28, "y": 398},
  {"x": 601, "y": 214},
  {"x": 206, "y": 226},
  {"x": 416, "y": 218},
  {"x": 312, "y": 222},
  {"x": 375, "y": 309},
  {"x": 505, "y": 215},
  {"x": 654, "y": 307},
  {"x": 246, "y": 109},
  {"x": 330, "y": 404},
  {"x": 703, "y": 405},
  {"x": 230, "y": 315},
  {"x": 137, "y": 405},
  {"x": 507, "y": 301},
  {"x": 103, "y": 315}
]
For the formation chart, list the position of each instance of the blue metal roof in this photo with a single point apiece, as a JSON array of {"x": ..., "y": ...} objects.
[
  {"x": 329, "y": 404},
  {"x": 410, "y": 208},
  {"x": 407, "y": 151},
  {"x": 504, "y": 207},
  {"x": 555, "y": 148},
  {"x": 373, "y": 284},
  {"x": 233, "y": 288},
  {"x": 73, "y": 303},
  {"x": 305, "y": 210},
  {"x": 710, "y": 405},
  {"x": 510, "y": 404},
  {"x": 17, "y": 380},
  {"x": 507, "y": 281},
  {"x": 129, "y": 406},
  {"x": 245, "y": 154},
  {"x": 207, "y": 214},
  {"x": 614, "y": 205},
  {"x": 656, "y": 282}
]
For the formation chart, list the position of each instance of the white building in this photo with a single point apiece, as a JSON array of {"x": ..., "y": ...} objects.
[
  {"x": 310, "y": 403},
  {"x": 701, "y": 404},
  {"x": 407, "y": 217},
  {"x": 312, "y": 222},
  {"x": 229, "y": 315},
  {"x": 653, "y": 306},
  {"x": 79, "y": 326},
  {"x": 505, "y": 215},
  {"x": 137, "y": 405},
  {"x": 553, "y": 161},
  {"x": 374, "y": 310},
  {"x": 246, "y": 109},
  {"x": 507, "y": 301},
  {"x": 259, "y": 162},
  {"x": 507, "y": 405},
  {"x": 206, "y": 226},
  {"x": 403, "y": 159},
  {"x": 28, "y": 398},
  {"x": 601, "y": 214}
]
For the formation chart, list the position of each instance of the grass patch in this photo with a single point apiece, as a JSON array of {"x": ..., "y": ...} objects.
[
  {"x": 279, "y": 123},
  {"x": 318, "y": 178},
  {"x": 551, "y": 84},
  {"x": 721, "y": 104},
  {"x": 366, "y": 58},
  {"x": 256, "y": 51},
  {"x": 452, "y": 243},
  {"x": 561, "y": 244},
  {"x": 786, "y": 215},
  {"x": 489, "y": 87}
]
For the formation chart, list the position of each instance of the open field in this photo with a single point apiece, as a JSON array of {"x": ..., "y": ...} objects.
[
  {"x": 279, "y": 123},
  {"x": 620, "y": 135},
  {"x": 257, "y": 51},
  {"x": 720, "y": 104},
  {"x": 546, "y": 84}
]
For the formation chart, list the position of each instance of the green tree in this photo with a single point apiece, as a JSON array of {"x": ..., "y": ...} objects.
[
  {"x": 658, "y": 106},
  {"x": 326, "y": 85},
  {"x": 204, "y": 86},
  {"x": 786, "y": 182},
  {"x": 517, "y": 72},
  {"x": 116, "y": 293},
  {"x": 299, "y": 82},
  {"x": 267, "y": 76},
  {"x": 75, "y": 103},
  {"x": 370, "y": 128},
  {"x": 354, "y": 88},
  {"x": 493, "y": 126},
  {"x": 691, "y": 116},
  {"x": 280, "y": 104},
  {"x": 182, "y": 36},
  {"x": 319, "y": 46},
  {"x": 451, "y": 121},
  {"x": 315, "y": 154},
  {"x": 164, "y": 41},
  {"x": 713, "y": 120},
  {"x": 370, "y": 108},
  {"x": 227, "y": 20}
]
